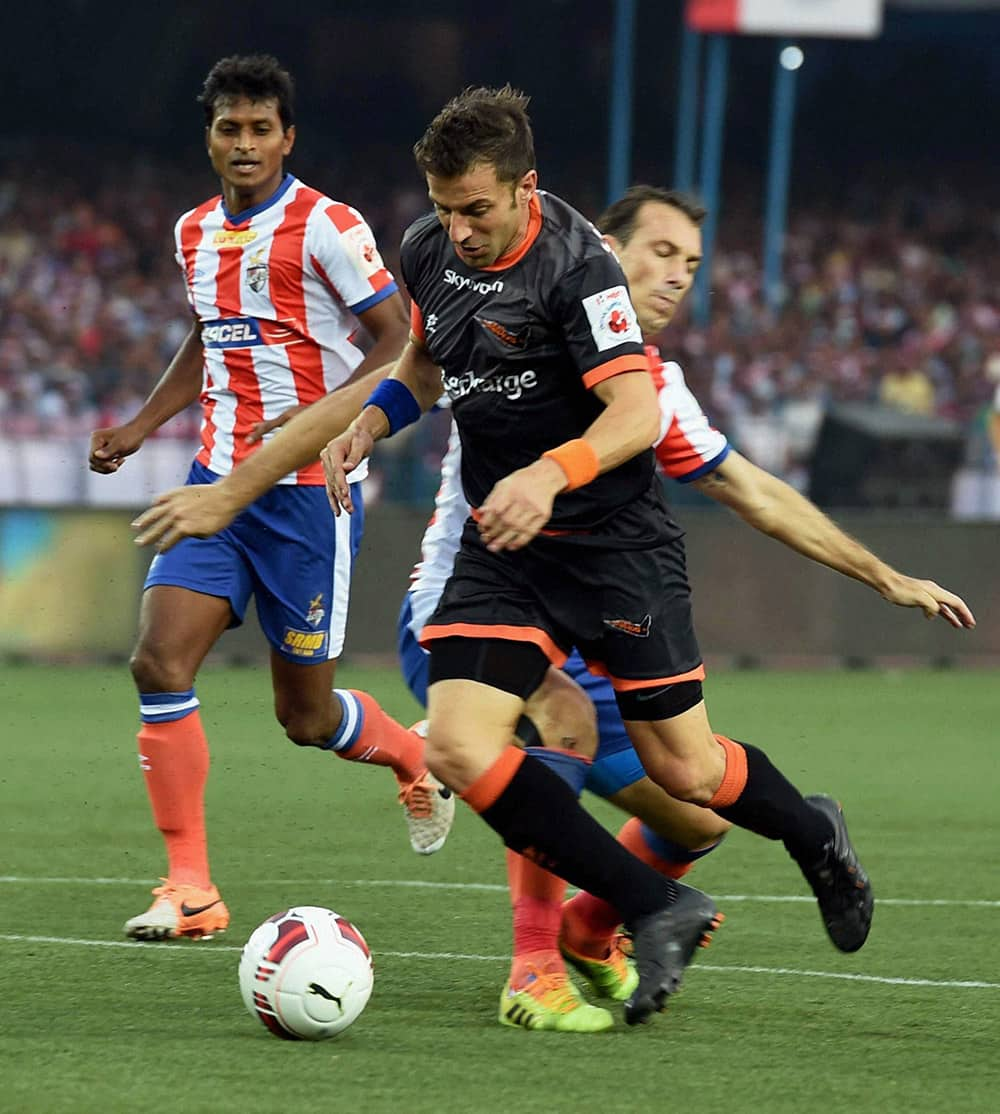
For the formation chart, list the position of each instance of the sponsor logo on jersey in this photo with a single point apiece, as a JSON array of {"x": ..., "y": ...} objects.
[
  {"x": 234, "y": 237},
  {"x": 257, "y": 271},
  {"x": 627, "y": 626},
  {"x": 476, "y": 286},
  {"x": 612, "y": 318},
  {"x": 304, "y": 643},
  {"x": 314, "y": 616},
  {"x": 501, "y": 332},
  {"x": 245, "y": 332},
  {"x": 511, "y": 387}
]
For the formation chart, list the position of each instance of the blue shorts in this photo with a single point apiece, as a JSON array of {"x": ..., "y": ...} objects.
[
  {"x": 616, "y": 764},
  {"x": 290, "y": 552}
]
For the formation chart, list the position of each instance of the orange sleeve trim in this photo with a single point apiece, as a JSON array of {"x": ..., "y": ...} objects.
[
  {"x": 615, "y": 367},
  {"x": 485, "y": 790},
  {"x": 416, "y": 322},
  {"x": 734, "y": 780},
  {"x": 621, "y": 685},
  {"x": 483, "y": 630}
]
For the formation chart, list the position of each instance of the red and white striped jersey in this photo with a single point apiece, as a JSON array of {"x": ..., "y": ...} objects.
[
  {"x": 278, "y": 290},
  {"x": 688, "y": 447}
]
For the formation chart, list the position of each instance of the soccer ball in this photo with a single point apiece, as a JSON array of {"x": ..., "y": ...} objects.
[{"x": 306, "y": 973}]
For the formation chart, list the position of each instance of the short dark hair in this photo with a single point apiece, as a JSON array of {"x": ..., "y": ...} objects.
[
  {"x": 258, "y": 77},
  {"x": 620, "y": 217},
  {"x": 479, "y": 126}
]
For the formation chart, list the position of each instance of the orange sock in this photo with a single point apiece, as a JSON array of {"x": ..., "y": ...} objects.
[
  {"x": 367, "y": 734},
  {"x": 536, "y": 898},
  {"x": 589, "y": 924},
  {"x": 174, "y": 760}
]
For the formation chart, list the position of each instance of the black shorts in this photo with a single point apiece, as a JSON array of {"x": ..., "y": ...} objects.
[{"x": 628, "y": 611}]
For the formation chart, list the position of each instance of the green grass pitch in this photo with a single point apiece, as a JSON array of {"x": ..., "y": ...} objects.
[{"x": 771, "y": 1019}]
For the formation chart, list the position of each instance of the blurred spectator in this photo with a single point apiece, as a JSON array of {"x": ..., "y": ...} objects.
[{"x": 891, "y": 295}]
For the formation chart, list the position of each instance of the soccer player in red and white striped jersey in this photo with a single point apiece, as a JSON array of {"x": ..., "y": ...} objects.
[{"x": 291, "y": 301}]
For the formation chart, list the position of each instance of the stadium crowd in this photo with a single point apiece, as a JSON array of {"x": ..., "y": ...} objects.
[{"x": 892, "y": 295}]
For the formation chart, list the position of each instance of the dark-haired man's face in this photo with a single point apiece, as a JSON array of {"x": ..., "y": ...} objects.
[
  {"x": 483, "y": 217},
  {"x": 659, "y": 260},
  {"x": 247, "y": 145}
]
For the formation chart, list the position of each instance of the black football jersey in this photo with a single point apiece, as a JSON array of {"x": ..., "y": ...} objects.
[{"x": 521, "y": 345}]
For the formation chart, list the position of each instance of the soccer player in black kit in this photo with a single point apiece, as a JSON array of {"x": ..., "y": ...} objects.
[{"x": 526, "y": 313}]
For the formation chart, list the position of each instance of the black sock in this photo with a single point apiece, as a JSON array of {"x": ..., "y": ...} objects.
[
  {"x": 772, "y": 807},
  {"x": 538, "y": 816}
]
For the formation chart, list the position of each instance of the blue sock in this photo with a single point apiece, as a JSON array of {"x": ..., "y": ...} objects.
[{"x": 673, "y": 852}]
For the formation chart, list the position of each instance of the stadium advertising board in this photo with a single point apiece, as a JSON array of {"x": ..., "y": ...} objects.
[{"x": 829, "y": 18}]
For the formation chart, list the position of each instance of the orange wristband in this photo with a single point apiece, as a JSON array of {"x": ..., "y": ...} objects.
[{"x": 578, "y": 459}]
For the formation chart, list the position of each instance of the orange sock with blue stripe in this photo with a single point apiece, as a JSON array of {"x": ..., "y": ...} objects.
[
  {"x": 173, "y": 755},
  {"x": 368, "y": 734}
]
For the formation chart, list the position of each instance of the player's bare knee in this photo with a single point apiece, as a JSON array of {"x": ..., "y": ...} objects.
[
  {"x": 445, "y": 758},
  {"x": 304, "y": 727},
  {"x": 563, "y": 716},
  {"x": 154, "y": 673}
]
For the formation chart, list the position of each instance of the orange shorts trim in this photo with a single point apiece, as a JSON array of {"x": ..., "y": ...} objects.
[
  {"x": 621, "y": 685},
  {"x": 510, "y": 634},
  {"x": 734, "y": 780},
  {"x": 489, "y": 785}
]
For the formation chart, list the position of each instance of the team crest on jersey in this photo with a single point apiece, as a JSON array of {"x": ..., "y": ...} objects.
[
  {"x": 314, "y": 616},
  {"x": 502, "y": 333},
  {"x": 612, "y": 318},
  {"x": 257, "y": 272}
]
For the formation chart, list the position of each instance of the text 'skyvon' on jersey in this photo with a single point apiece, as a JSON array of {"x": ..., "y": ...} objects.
[
  {"x": 278, "y": 290},
  {"x": 688, "y": 447},
  {"x": 521, "y": 345}
]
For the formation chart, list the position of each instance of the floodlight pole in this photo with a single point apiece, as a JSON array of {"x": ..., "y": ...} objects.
[
  {"x": 620, "y": 134},
  {"x": 687, "y": 110},
  {"x": 778, "y": 169},
  {"x": 713, "y": 126}
]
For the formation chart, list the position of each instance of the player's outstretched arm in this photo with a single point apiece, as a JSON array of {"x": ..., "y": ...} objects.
[
  {"x": 415, "y": 387},
  {"x": 777, "y": 509},
  {"x": 179, "y": 386},
  {"x": 199, "y": 511},
  {"x": 386, "y": 323}
]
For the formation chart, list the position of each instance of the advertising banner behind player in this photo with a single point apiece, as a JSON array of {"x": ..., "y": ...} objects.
[{"x": 829, "y": 18}]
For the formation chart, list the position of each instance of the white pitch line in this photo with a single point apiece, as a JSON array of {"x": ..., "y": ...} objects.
[
  {"x": 207, "y": 948},
  {"x": 492, "y": 887}
]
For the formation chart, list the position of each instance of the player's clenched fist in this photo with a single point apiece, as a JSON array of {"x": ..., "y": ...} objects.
[{"x": 109, "y": 447}]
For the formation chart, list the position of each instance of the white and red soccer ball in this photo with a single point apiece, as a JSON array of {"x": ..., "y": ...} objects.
[{"x": 306, "y": 973}]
